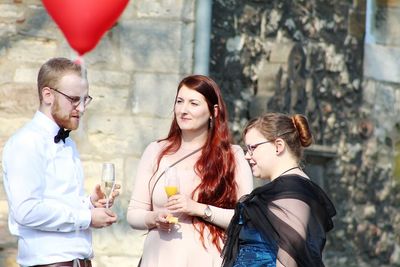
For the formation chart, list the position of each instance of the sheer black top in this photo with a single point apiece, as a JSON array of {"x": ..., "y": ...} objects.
[{"x": 292, "y": 212}]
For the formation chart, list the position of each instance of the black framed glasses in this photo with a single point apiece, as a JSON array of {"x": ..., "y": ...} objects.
[
  {"x": 75, "y": 100},
  {"x": 250, "y": 148}
]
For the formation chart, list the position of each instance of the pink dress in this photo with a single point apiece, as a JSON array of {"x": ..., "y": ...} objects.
[{"x": 182, "y": 246}]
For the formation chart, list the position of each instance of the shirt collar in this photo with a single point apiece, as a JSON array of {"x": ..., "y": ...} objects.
[{"x": 48, "y": 124}]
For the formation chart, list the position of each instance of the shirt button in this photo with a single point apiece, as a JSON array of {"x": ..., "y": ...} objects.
[{"x": 58, "y": 229}]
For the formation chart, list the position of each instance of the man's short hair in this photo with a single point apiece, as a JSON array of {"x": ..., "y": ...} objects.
[{"x": 53, "y": 70}]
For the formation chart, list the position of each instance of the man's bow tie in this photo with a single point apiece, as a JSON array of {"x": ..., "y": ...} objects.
[{"x": 61, "y": 135}]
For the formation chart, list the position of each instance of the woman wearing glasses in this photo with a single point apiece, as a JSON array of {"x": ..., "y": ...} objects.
[
  {"x": 284, "y": 222},
  {"x": 213, "y": 175}
]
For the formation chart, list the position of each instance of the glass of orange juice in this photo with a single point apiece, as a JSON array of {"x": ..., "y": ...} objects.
[
  {"x": 171, "y": 187},
  {"x": 171, "y": 182}
]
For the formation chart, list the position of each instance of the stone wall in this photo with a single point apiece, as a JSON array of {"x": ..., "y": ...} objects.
[
  {"x": 291, "y": 56},
  {"x": 307, "y": 57},
  {"x": 133, "y": 74}
]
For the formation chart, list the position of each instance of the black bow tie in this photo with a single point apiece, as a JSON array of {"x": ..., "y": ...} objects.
[{"x": 61, "y": 135}]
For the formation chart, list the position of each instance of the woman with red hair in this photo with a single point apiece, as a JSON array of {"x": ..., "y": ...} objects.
[{"x": 187, "y": 229}]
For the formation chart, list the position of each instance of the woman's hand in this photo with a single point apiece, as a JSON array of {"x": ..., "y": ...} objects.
[
  {"x": 161, "y": 220},
  {"x": 184, "y": 204}
]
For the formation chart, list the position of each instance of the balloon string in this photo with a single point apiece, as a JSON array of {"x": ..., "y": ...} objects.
[
  {"x": 81, "y": 62},
  {"x": 84, "y": 83}
]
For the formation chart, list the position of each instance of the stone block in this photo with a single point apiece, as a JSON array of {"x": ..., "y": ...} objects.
[
  {"x": 124, "y": 135},
  {"x": 108, "y": 77},
  {"x": 130, "y": 11},
  {"x": 109, "y": 100},
  {"x": 7, "y": 72},
  {"x": 93, "y": 164},
  {"x": 26, "y": 75},
  {"x": 188, "y": 10},
  {"x": 166, "y": 9},
  {"x": 8, "y": 256},
  {"x": 152, "y": 46},
  {"x": 120, "y": 240},
  {"x": 38, "y": 23},
  {"x": 106, "y": 54},
  {"x": 20, "y": 101},
  {"x": 31, "y": 2},
  {"x": 382, "y": 62},
  {"x": 65, "y": 50},
  {"x": 9, "y": 11},
  {"x": 3, "y": 204},
  {"x": 154, "y": 94},
  {"x": 387, "y": 3},
  {"x": 7, "y": 241},
  {"x": 9, "y": 125},
  {"x": 397, "y": 100},
  {"x": 7, "y": 29},
  {"x": 130, "y": 165},
  {"x": 32, "y": 50},
  {"x": 187, "y": 47},
  {"x": 103, "y": 260},
  {"x": 2, "y": 142}
]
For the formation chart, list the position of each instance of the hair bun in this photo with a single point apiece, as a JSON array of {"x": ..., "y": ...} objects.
[{"x": 301, "y": 124}]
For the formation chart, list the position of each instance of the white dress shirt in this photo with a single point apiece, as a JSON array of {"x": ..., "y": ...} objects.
[{"x": 48, "y": 211}]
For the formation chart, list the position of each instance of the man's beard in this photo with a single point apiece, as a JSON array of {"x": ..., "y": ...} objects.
[{"x": 64, "y": 121}]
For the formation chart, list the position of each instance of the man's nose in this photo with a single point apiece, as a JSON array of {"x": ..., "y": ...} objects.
[{"x": 81, "y": 107}]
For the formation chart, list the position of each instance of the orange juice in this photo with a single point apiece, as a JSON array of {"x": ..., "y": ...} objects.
[{"x": 171, "y": 190}]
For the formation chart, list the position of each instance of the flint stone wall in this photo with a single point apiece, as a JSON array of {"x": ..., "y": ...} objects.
[
  {"x": 307, "y": 57},
  {"x": 290, "y": 56}
]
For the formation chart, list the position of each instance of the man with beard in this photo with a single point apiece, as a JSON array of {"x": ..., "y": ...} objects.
[{"x": 43, "y": 176}]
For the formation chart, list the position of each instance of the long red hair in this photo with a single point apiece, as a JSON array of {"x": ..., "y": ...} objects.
[{"x": 216, "y": 165}]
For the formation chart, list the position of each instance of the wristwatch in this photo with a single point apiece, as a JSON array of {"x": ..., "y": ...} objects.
[{"x": 207, "y": 213}]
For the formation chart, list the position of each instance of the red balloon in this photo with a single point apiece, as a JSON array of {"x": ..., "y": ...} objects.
[{"x": 84, "y": 22}]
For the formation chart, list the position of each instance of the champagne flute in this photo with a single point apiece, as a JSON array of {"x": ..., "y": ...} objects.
[
  {"x": 171, "y": 187},
  {"x": 171, "y": 182},
  {"x": 108, "y": 180}
]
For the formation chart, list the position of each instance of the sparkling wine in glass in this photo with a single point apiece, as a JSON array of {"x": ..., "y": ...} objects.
[{"x": 108, "y": 180}]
